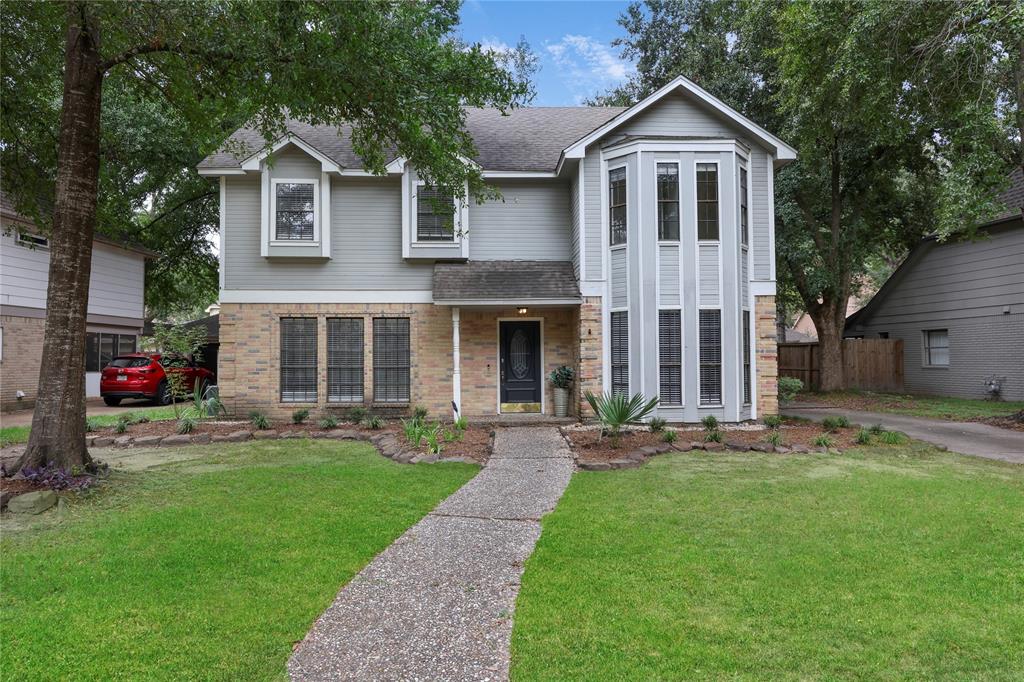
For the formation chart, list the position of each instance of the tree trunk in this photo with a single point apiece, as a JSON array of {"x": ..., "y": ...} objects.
[
  {"x": 58, "y": 424},
  {"x": 829, "y": 321}
]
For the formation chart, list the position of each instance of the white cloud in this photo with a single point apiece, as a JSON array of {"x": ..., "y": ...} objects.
[
  {"x": 492, "y": 44},
  {"x": 587, "y": 66}
]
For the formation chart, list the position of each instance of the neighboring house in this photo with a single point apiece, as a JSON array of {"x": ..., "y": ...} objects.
[
  {"x": 958, "y": 306},
  {"x": 115, "y": 309},
  {"x": 635, "y": 245},
  {"x": 803, "y": 329}
]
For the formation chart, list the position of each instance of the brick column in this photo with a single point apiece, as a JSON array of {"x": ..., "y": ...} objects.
[
  {"x": 767, "y": 355},
  {"x": 588, "y": 371}
]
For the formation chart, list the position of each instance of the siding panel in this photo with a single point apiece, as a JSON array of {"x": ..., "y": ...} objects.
[
  {"x": 708, "y": 266},
  {"x": 532, "y": 222},
  {"x": 619, "y": 278},
  {"x": 668, "y": 275}
]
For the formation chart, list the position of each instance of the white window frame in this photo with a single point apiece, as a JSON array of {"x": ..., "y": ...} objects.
[
  {"x": 461, "y": 219},
  {"x": 925, "y": 347},
  {"x": 696, "y": 202},
  {"x": 679, "y": 200},
  {"x": 607, "y": 208},
  {"x": 410, "y": 244},
  {"x": 42, "y": 245},
  {"x": 274, "y": 182}
]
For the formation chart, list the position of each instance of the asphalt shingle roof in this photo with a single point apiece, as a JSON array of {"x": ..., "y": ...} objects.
[
  {"x": 527, "y": 139},
  {"x": 505, "y": 280},
  {"x": 1013, "y": 197}
]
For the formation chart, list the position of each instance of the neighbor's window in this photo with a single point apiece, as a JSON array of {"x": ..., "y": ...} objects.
[
  {"x": 668, "y": 201},
  {"x": 744, "y": 211},
  {"x": 435, "y": 215},
  {"x": 298, "y": 359},
  {"x": 710, "y": 357},
  {"x": 345, "y": 360},
  {"x": 391, "y": 360},
  {"x": 746, "y": 357},
  {"x": 936, "y": 347},
  {"x": 295, "y": 204},
  {"x": 620, "y": 353},
  {"x": 707, "y": 201},
  {"x": 617, "y": 205},
  {"x": 100, "y": 349},
  {"x": 670, "y": 357}
]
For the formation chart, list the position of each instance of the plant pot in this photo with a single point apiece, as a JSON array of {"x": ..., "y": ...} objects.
[{"x": 561, "y": 402}]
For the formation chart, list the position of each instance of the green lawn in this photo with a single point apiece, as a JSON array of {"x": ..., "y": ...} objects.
[
  {"x": 954, "y": 409},
  {"x": 207, "y": 569},
  {"x": 10, "y": 435},
  {"x": 887, "y": 563}
]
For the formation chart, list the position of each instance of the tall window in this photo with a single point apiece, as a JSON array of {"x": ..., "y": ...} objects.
[
  {"x": 710, "y": 357},
  {"x": 298, "y": 359},
  {"x": 620, "y": 353},
  {"x": 345, "y": 360},
  {"x": 435, "y": 215},
  {"x": 294, "y": 208},
  {"x": 668, "y": 201},
  {"x": 670, "y": 357},
  {"x": 936, "y": 348},
  {"x": 746, "y": 357},
  {"x": 744, "y": 213},
  {"x": 707, "y": 201},
  {"x": 391, "y": 360},
  {"x": 617, "y": 205},
  {"x": 100, "y": 349}
]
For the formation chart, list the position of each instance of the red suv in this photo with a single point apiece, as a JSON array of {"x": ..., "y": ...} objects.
[{"x": 138, "y": 375}]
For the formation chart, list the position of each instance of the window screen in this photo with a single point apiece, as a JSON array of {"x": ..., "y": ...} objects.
[
  {"x": 670, "y": 357},
  {"x": 294, "y": 207},
  {"x": 668, "y": 201},
  {"x": 125, "y": 344},
  {"x": 936, "y": 347},
  {"x": 746, "y": 357},
  {"x": 620, "y": 353},
  {"x": 92, "y": 352},
  {"x": 108, "y": 349},
  {"x": 345, "y": 360},
  {"x": 744, "y": 212},
  {"x": 707, "y": 201},
  {"x": 298, "y": 359},
  {"x": 617, "y": 205},
  {"x": 435, "y": 215},
  {"x": 710, "y": 357},
  {"x": 391, "y": 360}
]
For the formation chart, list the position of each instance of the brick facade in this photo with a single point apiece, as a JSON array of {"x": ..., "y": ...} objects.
[
  {"x": 767, "y": 352},
  {"x": 21, "y": 357},
  {"x": 588, "y": 370}
]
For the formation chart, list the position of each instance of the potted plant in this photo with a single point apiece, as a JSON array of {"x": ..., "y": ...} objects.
[{"x": 561, "y": 379}]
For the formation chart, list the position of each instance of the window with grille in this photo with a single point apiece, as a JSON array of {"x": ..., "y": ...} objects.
[
  {"x": 298, "y": 359},
  {"x": 670, "y": 357},
  {"x": 345, "y": 360},
  {"x": 620, "y": 353},
  {"x": 746, "y": 357},
  {"x": 668, "y": 201},
  {"x": 391, "y": 360},
  {"x": 744, "y": 212},
  {"x": 707, "y": 201},
  {"x": 710, "y": 357},
  {"x": 294, "y": 208},
  {"x": 617, "y": 205},
  {"x": 936, "y": 348},
  {"x": 435, "y": 215}
]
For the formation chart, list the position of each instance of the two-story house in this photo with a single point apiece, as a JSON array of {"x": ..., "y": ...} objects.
[{"x": 633, "y": 244}]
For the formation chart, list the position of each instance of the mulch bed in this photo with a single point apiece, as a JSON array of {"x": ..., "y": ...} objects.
[{"x": 1014, "y": 422}]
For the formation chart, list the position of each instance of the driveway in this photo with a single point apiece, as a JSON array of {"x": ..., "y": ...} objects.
[
  {"x": 94, "y": 407},
  {"x": 968, "y": 438}
]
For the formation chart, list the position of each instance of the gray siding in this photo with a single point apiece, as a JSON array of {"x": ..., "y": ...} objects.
[
  {"x": 760, "y": 236},
  {"x": 619, "y": 275},
  {"x": 668, "y": 275},
  {"x": 292, "y": 162},
  {"x": 965, "y": 288},
  {"x": 532, "y": 221},
  {"x": 594, "y": 206},
  {"x": 708, "y": 265},
  {"x": 574, "y": 222}
]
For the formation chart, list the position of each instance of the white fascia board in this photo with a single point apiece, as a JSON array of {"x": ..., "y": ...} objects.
[
  {"x": 219, "y": 172},
  {"x": 708, "y": 146},
  {"x": 326, "y": 165},
  {"x": 325, "y": 296},
  {"x": 497, "y": 175},
  {"x": 509, "y": 302}
]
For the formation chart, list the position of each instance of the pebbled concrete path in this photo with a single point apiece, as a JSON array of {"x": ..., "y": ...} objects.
[
  {"x": 967, "y": 438},
  {"x": 437, "y": 604}
]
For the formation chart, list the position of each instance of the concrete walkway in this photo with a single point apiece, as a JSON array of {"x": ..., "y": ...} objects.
[
  {"x": 437, "y": 604},
  {"x": 968, "y": 438}
]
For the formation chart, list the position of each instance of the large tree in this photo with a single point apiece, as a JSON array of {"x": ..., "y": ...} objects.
[
  {"x": 901, "y": 114},
  {"x": 393, "y": 70}
]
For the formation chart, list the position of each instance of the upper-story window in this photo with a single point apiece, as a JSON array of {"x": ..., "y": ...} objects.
[
  {"x": 668, "y": 201},
  {"x": 295, "y": 208},
  {"x": 744, "y": 211},
  {"x": 32, "y": 241},
  {"x": 617, "y": 205},
  {"x": 707, "y": 201},
  {"x": 435, "y": 215}
]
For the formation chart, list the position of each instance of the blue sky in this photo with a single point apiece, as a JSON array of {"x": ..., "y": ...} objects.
[{"x": 571, "y": 39}]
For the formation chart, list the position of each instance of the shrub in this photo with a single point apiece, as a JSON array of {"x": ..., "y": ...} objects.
[
  {"x": 824, "y": 441},
  {"x": 710, "y": 422},
  {"x": 461, "y": 423},
  {"x": 789, "y": 387},
  {"x": 434, "y": 436},
  {"x": 877, "y": 429},
  {"x": 713, "y": 436},
  {"x": 615, "y": 411},
  {"x": 835, "y": 423},
  {"x": 374, "y": 422},
  {"x": 413, "y": 430},
  {"x": 657, "y": 424},
  {"x": 419, "y": 412},
  {"x": 562, "y": 377},
  {"x": 259, "y": 420},
  {"x": 669, "y": 436},
  {"x": 772, "y": 421},
  {"x": 139, "y": 418},
  {"x": 328, "y": 422},
  {"x": 892, "y": 437},
  {"x": 774, "y": 437},
  {"x": 299, "y": 416},
  {"x": 91, "y": 424},
  {"x": 863, "y": 437},
  {"x": 357, "y": 414},
  {"x": 186, "y": 424},
  {"x": 121, "y": 425}
]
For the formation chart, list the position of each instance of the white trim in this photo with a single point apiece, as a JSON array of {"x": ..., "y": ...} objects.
[
  {"x": 783, "y": 152},
  {"x": 325, "y": 296},
  {"x": 496, "y": 174},
  {"x": 317, "y": 215},
  {"x": 223, "y": 221},
  {"x": 639, "y": 251},
  {"x": 265, "y": 213},
  {"x": 590, "y": 289},
  {"x": 543, "y": 397},
  {"x": 697, "y": 146},
  {"x": 606, "y": 300},
  {"x": 679, "y": 200},
  {"x": 456, "y": 366},
  {"x": 215, "y": 172},
  {"x": 509, "y": 302},
  {"x": 254, "y": 162},
  {"x": 460, "y": 239},
  {"x": 325, "y": 215},
  {"x": 762, "y": 288}
]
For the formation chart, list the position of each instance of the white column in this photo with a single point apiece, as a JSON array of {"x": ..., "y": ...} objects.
[{"x": 456, "y": 372}]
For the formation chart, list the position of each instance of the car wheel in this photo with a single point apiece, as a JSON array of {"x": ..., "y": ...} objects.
[
  {"x": 111, "y": 401},
  {"x": 163, "y": 394}
]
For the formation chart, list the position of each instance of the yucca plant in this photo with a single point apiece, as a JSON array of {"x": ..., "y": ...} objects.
[
  {"x": 186, "y": 424},
  {"x": 615, "y": 411},
  {"x": 657, "y": 424},
  {"x": 205, "y": 403}
]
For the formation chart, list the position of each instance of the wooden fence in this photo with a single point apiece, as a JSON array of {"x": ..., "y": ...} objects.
[{"x": 869, "y": 364}]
